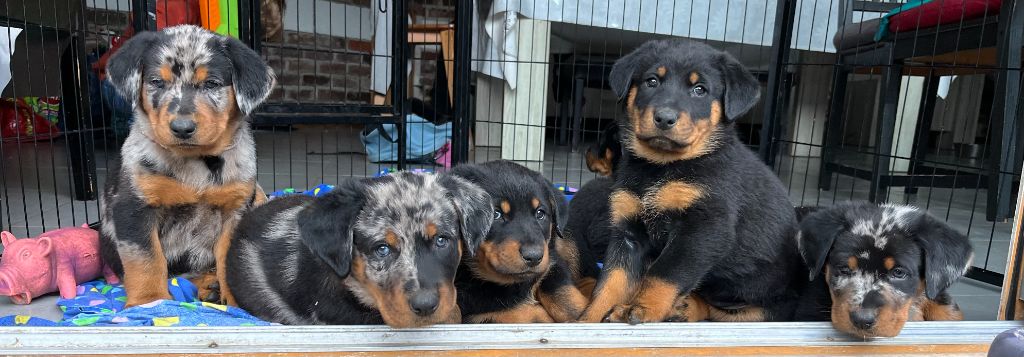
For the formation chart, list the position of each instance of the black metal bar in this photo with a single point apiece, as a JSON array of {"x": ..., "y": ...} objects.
[
  {"x": 309, "y": 108},
  {"x": 79, "y": 137},
  {"x": 985, "y": 276},
  {"x": 400, "y": 45},
  {"x": 834, "y": 125},
  {"x": 1004, "y": 110},
  {"x": 144, "y": 15},
  {"x": 271, "y": 119},
  {"x": 933, "y": 41},
  {"x": 577, "y": 112},
  {"x": 960, "y": 180},
  {"x": 885, "y": 129},
  {"x": 874, "y": 6},
  {"x": 462, "y": 125},
  {"x": 249, "y": 29},
  {"x": 784, "y": 20},
  {"x": 924, "y": 125}
]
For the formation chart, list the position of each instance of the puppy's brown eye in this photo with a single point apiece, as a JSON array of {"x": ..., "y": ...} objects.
[
  {"x": 899, "y": 273},
  {"x": 157, "y": 83},
  {"x": 699, "y": 90},
  {"x": 441, "y": 241},
  {"x": 844, "y": 271},
  {"x": 652, "y": 82},
  {"x": 540, "y": 214},
  {"x": 382, "y": 251}
]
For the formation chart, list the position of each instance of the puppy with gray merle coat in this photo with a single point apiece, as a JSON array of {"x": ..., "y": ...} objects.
[
  {"x": 875, "y": 267},
  {"x": 371, "y": 251}
]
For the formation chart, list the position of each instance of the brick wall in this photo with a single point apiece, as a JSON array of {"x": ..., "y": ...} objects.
[
  {"x": 319, "y": 68},
  {"x": 316, "y": 68}
]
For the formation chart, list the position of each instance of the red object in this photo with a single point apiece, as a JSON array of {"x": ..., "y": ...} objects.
[
  {"x": 56, "y": 261},
  {"x": 21, "y": 123},
  {"x": 168, "y": 13},
  {"x": 941, "y": 12}
]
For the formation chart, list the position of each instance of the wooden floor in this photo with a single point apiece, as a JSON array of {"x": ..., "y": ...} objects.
[{"x": 965, "y": 338}]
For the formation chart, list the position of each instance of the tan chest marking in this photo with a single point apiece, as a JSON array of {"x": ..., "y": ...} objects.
[{"x": 674, "y": 195}]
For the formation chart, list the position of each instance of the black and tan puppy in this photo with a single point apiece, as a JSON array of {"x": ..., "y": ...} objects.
[
  {"x": 693, "y": 208},
  {"x": 875, "y": 267},
  {"x": 188, "y": 167},
  {"x": 590, "y": 225},
  {"x": 522, "y": 272},
  {"x": 370, "y": 251},
  {"x": 603, "y": 157}
]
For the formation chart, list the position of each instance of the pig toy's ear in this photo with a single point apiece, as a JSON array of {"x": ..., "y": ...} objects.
[
  {"x": 7, "y": 238},
  {"x": 46, "y": 245}
]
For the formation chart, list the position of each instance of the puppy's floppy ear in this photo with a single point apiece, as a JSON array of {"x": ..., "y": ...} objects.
[
  {"x": 325, "y": 226},
  {"x": 818, "y": 231},
  {"x": 741, "y": 88},
  {"x": 621, "y": 76},
  {"x": 556, "y": 200},
  {"x": 474, "y": 207},
  {"x": 947, "y": 253},
  {"x": 253, "y": 79},
  {"x": 124, "y": 68}
]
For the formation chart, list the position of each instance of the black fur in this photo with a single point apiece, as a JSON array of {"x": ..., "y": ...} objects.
[
  {"x": 734, "y": 244},
  {"x": 325, "y": 226},
  {"x": 590, "y": 224},
  {"x": 516, "y": 185}
]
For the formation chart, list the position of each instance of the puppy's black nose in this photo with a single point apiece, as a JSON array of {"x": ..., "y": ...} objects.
[
  {"x": 863, "y": 319},
  {"x": 532, "y": 254},
  {"x": 183, "y": 128},
  {"x": 424, "y": 303},
  {"x": 665, "y": 119}
]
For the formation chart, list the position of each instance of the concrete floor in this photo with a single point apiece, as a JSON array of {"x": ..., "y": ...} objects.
[{"x": 35, "y": 191}]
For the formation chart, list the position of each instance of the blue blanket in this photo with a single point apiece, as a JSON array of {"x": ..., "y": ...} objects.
[{"x": 102, "y": 304}]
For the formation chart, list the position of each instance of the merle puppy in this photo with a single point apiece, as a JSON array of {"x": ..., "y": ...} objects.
[
  {"x": 370, "y": 251},
  {"x": 875, "y": 267}
]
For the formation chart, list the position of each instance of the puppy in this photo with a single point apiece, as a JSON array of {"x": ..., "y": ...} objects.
[
  {"x": 693, "y": 209},
  {"x": 603, "y": 157},
  {"x": 371, "y": 251},
  {"x": 523, "y": 259},
  {"x": 188, "y": 167},
  {"x": 589, "y": 224},
  {"x": 875, "y": 267}
]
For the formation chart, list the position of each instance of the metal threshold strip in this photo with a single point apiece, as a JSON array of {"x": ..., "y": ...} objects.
[{"x": 965, "y": 337}]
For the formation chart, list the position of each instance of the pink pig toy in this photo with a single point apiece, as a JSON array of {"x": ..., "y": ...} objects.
[{"x": 57, "y": 260}]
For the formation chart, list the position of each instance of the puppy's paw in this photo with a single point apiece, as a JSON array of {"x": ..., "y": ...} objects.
[
  {"x": 688, "y": 308},
  {"x": 634, "y": 314}
]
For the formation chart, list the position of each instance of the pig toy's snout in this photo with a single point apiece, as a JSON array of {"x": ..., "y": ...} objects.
[{"x": 9, "y": 288}]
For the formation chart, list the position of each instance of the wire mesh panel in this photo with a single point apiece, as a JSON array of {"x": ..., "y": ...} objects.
[
  {"x": 920, "y": 107},
  {"x": 849, "y": 111},
  {"x": 59, "y": 132}
]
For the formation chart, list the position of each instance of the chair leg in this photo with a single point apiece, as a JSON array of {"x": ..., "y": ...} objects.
[
  {"x": 886, "y": 127},
  {"x": 833, "y": 127},
  {"x": 924, "y": 125},
  {"x": 577, "y": 112},
  {"x": 1003, "y": 145},
  {"x": 79, "y": 139}
]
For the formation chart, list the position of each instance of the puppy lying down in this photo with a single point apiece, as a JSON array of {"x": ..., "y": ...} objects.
[{"x": 371, "y": 251}]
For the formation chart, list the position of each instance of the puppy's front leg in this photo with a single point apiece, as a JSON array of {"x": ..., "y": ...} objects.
[
  {"x": 559, "y": 296},
  {"x": 684, "y": 261},
  {"x": 142, "y": 256}
]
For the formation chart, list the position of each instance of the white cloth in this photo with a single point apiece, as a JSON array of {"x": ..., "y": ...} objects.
[{"x": 7, "y": 37}]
